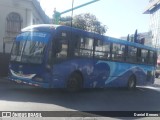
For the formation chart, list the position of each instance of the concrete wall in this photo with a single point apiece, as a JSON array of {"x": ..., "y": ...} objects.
[{"x": 26, "y": 9}]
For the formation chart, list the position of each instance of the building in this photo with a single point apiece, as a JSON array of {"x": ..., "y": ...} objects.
[
  {"x": 17, "y": 14},
  {"x": 146, "y": 35},
  {"x": 153, "y": 9},
  {"x": 148, "y": 38}
]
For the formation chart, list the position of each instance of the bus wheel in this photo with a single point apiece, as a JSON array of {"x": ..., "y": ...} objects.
[
  {"x": 132, "y": 83},
  {"x": 75, "y": 82}
]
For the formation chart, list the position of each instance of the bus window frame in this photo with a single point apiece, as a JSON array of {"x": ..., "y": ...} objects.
[{"x": 103, "y": 43}]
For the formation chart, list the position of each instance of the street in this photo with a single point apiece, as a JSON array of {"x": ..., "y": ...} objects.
[{"x": 14, "y": 97}]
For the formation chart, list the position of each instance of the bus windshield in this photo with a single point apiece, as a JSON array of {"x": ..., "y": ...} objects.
[{"x": 29, "y": 47}]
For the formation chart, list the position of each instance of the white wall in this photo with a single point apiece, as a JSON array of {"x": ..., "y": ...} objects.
[{"x": 27, "y": 11}]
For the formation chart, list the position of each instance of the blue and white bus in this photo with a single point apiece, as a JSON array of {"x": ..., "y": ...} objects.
[{"x": 53, "y": 56}]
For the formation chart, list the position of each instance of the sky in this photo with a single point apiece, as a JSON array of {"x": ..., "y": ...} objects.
[{"x": 122, "y": 17}]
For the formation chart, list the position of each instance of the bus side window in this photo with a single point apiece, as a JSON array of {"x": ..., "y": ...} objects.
[
  {"x": 84, "y": 47},
  {"x": 62, "y": 46},
  {"x": 132, "y": 54},
  {"x": 76, "y": 40},
  {"x": 144, "y": 56},
  {"x": 88, "y": 51},
  {"x": 102, "y": 49},
  {"x": 118, "y": 52},
  {"x": 155, "y": 58},
  {"x": 151, "y": 56}
]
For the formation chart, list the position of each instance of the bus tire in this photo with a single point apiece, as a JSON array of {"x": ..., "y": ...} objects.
[
  {"x": 131, "y": 83},
  {"x": 75, "y": 82}
]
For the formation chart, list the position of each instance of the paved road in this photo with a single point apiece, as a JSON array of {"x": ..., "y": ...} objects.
[{"x": 14, "y": 97}]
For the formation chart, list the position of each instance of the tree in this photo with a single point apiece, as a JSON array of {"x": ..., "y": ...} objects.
[{"x": 86, "y": 22}]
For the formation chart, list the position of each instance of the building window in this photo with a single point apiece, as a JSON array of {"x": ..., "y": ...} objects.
[{"x": 14, "y": 23}]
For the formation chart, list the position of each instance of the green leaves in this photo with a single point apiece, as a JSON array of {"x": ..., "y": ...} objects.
[{"x": 86, "y": 21}]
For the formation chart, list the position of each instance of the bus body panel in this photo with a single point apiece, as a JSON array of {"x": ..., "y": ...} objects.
[
  {"x": 29, "y": 74},
  {"x": 100, "y": 74},
  {"x": 96, "y": 73}
]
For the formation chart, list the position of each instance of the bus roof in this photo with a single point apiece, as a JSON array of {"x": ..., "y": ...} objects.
[
  {"x": 40, "y": 27},
  {"x": 52, "y": 27}
]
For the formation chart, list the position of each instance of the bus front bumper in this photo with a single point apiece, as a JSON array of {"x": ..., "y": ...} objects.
[{"x": 30, "y": 82}]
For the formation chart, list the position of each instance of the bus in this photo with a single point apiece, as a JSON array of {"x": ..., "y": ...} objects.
[{"x": 55, "y": 56}]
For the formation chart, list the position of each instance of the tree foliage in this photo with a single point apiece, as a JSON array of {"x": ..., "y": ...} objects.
[{"x": 86, "y": 21}]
